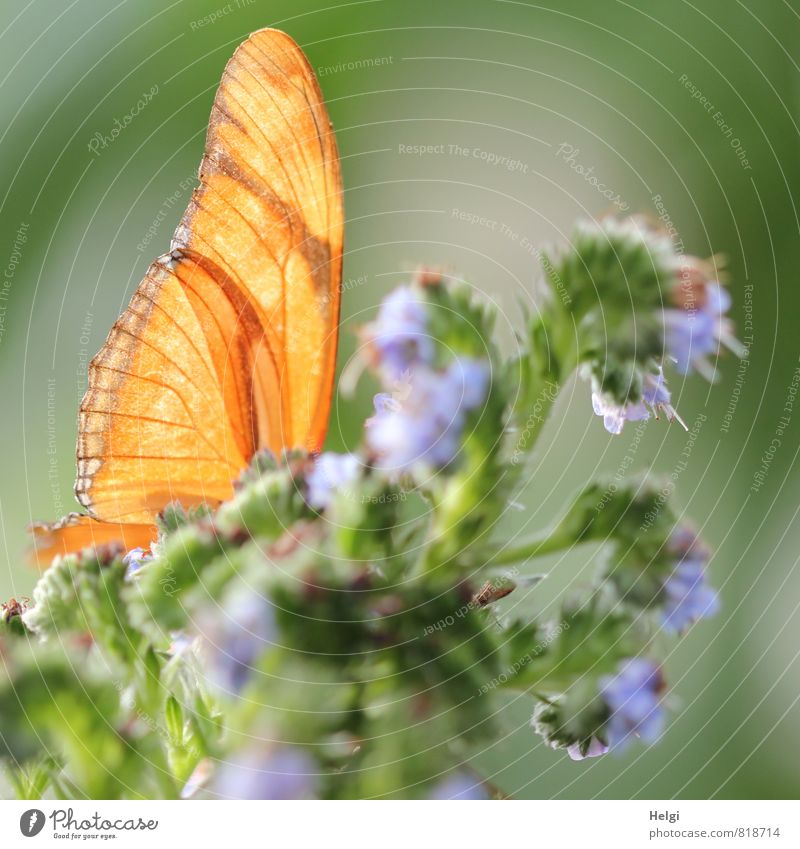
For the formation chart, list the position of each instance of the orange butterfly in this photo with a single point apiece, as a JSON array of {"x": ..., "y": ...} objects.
[{"x": 229, "y": 344}]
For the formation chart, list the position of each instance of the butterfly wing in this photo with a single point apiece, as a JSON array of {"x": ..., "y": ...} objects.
[
  {"x": 74, "y": 532},
  {"x": 229, "y": 344},
  {"x": 154, "y": 425},
  {"x": 269, "y": 214}
]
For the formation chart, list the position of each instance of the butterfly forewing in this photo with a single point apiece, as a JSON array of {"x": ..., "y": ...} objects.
[{"x": 271, "y": 166}]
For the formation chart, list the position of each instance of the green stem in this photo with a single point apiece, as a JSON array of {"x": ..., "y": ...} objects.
[
  {"x": 549, "y": 362},
  {"x": 537, "y": 547}
]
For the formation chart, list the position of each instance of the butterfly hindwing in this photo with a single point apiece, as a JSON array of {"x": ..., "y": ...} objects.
[
  {"x": 154, "y": 426},
  {"x": 75, "y": 532}
]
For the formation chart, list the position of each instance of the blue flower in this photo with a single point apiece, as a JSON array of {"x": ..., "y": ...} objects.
[
  {"x": 282, "y": 772},
  {"x": 398, "y": 338},
  {"x": 383, "y": 402},
  {"x": 424, "y": 423},
  {"x": 633, "y": 697},
  {"x": 134, "y": 560},
  {"x": 331, "y": 472},
  {"x": 615, "y": 415},
  {"x": 699, "y": 326},
  {"x": 595, "y": 749},
  {"x": 460, "y": 785},
  {"x": 236, "y": 635},
  {"x": 181, "y": 643},
  {"x": 655, "y": 396},
  {"x": 687, "y": 596}
]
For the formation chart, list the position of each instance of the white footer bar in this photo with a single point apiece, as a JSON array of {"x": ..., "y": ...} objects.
[{"x": 404, "y": 825}]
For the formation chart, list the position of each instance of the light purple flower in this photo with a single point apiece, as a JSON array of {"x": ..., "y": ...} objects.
[
  {"x": 595, "y": 749},
  {"x": 426, "y": 424},
  {"x": 633, "y": 696},
  {"x": 655, "y": 397},
  {"x": 615, "y": 415},
  {"x": 460, "y": 785},
  {"x": 198, "y": 778},
  {"x": 699, "y": 326},
  {"x": 282, "y": 772},
  {"x": 687, "y": 596},
  {"x": 180, "y": 644},
  {"x": 399, "y": 337},
  {"x": 383, "y": 402},
  {"x": 331, "y": 472},
  {"x": 236, "y": 637},
  {"x": 134, "y": 560}
]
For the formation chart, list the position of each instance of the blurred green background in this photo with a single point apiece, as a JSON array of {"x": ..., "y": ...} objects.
[{"x": 680, "y": 109}]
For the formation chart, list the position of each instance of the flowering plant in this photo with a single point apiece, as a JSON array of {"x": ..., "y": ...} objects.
[{"x": 296, "y": 641}]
